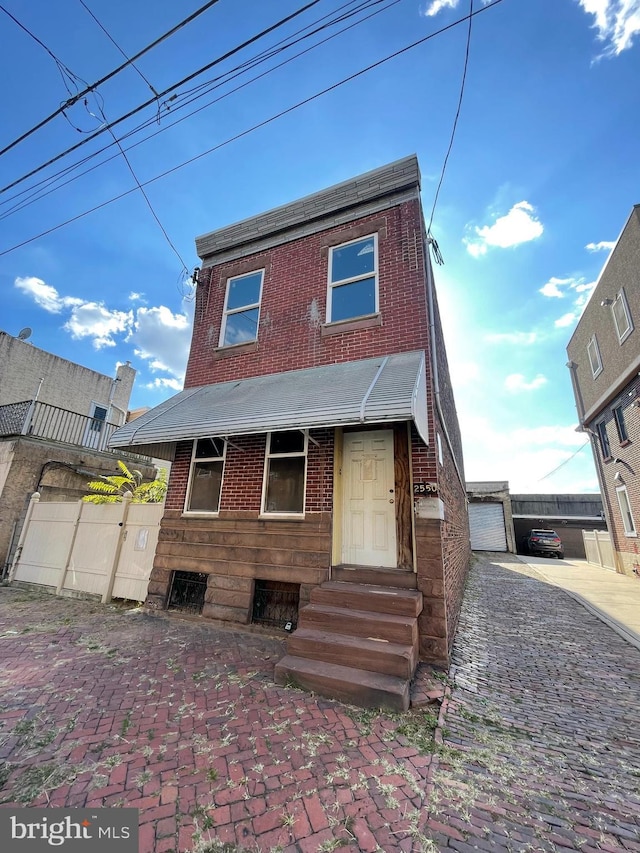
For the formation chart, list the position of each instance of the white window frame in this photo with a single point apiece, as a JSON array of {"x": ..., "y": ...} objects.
[
  {"x": 625, "y": 511},
  {"x": 621, "y": 299},
  {"x": 192, "y": 466},
  {"x": 595, "y": 359},
  {"x": 332, "y": 284},
  {"x": 249, "y": 306},
  {"x": 265, "y": 477}
]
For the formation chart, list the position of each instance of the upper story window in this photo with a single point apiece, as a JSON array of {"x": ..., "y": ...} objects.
[
  {"x": 604, "y": 439},
  {"x": 285, "y": 473},
  {"x": 620, "y": 424},
  {"x": 593, "y": 351},
  {"x": 205, "y": 476},
  {"x": 625, "y": 511},
  {"x": 353, "y": 280},
  {"x": 241, "y": 309},
  {"x": 622, "y": 316}
]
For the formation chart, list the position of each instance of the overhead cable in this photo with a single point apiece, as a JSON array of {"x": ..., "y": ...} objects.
[{"x": 257, "y": 126}]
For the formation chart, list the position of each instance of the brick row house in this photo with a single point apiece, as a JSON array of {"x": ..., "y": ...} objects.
[
  {"x": 317, "y": 482},
  {"x": 604, "y": 362}
]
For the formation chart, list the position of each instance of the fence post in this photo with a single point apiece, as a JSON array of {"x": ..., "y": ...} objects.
[
  {"x": 69, "y": 557},
  {"x": 35, "y": 497},
  {"x": 111, "y": 573},
  {"x": 599, "y": 553}
]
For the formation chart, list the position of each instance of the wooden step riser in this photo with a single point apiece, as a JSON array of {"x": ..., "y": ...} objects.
[
  {"x": 364, "y": 600},
  {"x": 350, "y": 688},
  {"x": 401, "y": 665},
  {"x": 360, "y": 625},
  {"x": 390, "y": 577}
]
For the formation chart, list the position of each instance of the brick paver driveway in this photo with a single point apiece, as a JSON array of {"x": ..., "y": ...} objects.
[{"x": 538, "y": 747}]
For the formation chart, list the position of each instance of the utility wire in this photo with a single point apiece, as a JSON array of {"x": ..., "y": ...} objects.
[
  {"x": 437, "y": 256},
  {"x": 257, "y": 126},
  {"x": 75, "y": 98},
  {"x": 171, "y": 88},
  {"x": 117, "y": 46},
  {"x": 36, "y": 194},
  {"x": 573, "y": 455}
]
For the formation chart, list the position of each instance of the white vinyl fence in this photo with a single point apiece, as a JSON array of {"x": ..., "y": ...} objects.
[
  {"x": 598, "y": 548},
  {"x": 105, "y": 550}
]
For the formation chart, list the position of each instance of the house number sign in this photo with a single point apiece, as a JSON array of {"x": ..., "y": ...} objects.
[{"x": 425, "y": 488}]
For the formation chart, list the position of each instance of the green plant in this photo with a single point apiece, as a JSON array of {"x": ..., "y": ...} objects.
[{"x": 110, "y": 489}]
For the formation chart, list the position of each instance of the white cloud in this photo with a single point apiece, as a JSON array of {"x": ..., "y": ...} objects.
[
  {"x": 602, "y": 246},
  {"x": 616, "y": 21},
  {"x": 45, "y": 295},
  {"x": 94, "y": 320},
  {"x": 159, "y": 336},
  {"x": 134, "y": 296},
  {"x": 516, "y": 382},
  {"x": 438, "y": 5},
  {"x": 553, "y": 287},
  {"x": 519, "y": 225},
  {"x": 515, "y": 338},
  {"x": 566, "y": 320}
]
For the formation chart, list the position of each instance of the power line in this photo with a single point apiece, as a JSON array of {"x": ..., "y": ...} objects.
[
  {"x": 257, "y": 126},
  {"x": 160, "y": 95},
  {"x": 436, "y": 251},
  {"x": 36, "y": 194},
  {"x": 573, "y": 455},
  {"x": 75, "y": 98},
  {"x": 117, "y": 46}
]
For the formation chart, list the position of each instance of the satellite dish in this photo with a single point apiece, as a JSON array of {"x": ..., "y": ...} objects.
[{"x": 25, "y": 333}]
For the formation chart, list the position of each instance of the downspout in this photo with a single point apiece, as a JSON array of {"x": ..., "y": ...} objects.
[
  {"x": 27, "y": 423},
  {"x": 434, "y": 361}
]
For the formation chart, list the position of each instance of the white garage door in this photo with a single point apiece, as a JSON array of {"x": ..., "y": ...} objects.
[{"x": 486, "y": 526}]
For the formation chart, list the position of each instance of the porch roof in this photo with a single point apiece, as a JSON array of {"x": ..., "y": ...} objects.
[{"x": 373, "y": 390}]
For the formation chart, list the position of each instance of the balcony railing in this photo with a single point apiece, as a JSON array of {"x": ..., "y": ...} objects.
[{"x": 41, "y": 420}]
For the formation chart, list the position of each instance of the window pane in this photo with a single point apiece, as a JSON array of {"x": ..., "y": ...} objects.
[
  {"x": 241, "y": 327},
  {"x": 209, "y": 447},
  {"x": 625, "y": 509},
  {"x": 205, "y": 487},
  {"x": 352, "y": 260},
  {"x": 353, "y": 300},
  {"x": 287, "y": 442},
  {"x": 244, "y": 291},
  {"x": 604, "y": 439},
  {"x": 621, "y": 318},
  {"x": 620, "y": 424},
  {"x": 285, "y": 485}
]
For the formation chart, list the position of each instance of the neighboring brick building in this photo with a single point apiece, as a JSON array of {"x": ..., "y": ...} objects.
[
  {"x": 55, "y": 421},
  {"x": 316, "y": 442},
  {"x": 604, "y": 360}
]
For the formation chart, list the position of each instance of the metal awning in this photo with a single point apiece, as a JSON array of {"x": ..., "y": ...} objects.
[{"x": 374, "y": 390}]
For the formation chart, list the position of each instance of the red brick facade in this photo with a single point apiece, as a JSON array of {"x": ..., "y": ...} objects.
[{"x": 238, "y": 545}]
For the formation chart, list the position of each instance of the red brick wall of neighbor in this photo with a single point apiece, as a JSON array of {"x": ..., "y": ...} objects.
[
  {"x": 294, "y": 303},
  {"x": 629, "y": 469}
]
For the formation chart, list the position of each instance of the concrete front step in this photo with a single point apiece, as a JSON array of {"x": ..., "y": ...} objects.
[
  {"x": 356, "y": 652},
  {"x": 360, "y": 623},
  {"x": 345, "y": 683},
  {"x": 369, "y": 597}
]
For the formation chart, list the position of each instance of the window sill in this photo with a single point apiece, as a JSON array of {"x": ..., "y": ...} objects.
[
  {"x": 351, "y": 325},
  {"x": 608, "y": 458},
  {"x": 200, "y": 514},
  {"x": 631, "y": 535},
  {"x": 281, "y": 516},
  {"x": 625, "y": 443},
  {"x": 235, "y": 349}
]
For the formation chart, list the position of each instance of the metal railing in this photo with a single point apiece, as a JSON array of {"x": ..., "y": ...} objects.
[{"x": 41, "y": 420}]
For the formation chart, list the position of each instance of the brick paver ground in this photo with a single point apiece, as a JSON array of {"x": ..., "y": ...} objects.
[
  {"x": 541, "y": 742},
  {"x": 538, "y": 747}
]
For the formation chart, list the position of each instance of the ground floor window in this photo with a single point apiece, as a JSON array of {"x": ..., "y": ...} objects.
[
  {"x": 276, "y": 603},
  {"x": 187, "y": 591},
  {"x": 205, "y": 476},
  {"x": 285, "y": 473},
  {"x": 625, "y": 510}
]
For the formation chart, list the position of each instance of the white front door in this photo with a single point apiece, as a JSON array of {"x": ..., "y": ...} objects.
[{"x": 369, "y": 511}]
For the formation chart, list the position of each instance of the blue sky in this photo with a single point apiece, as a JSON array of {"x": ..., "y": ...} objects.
[{"x": 541, "y": 179}]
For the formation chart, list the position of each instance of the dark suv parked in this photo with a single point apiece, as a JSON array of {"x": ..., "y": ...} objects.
[{"x": 544, "y": 543}]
